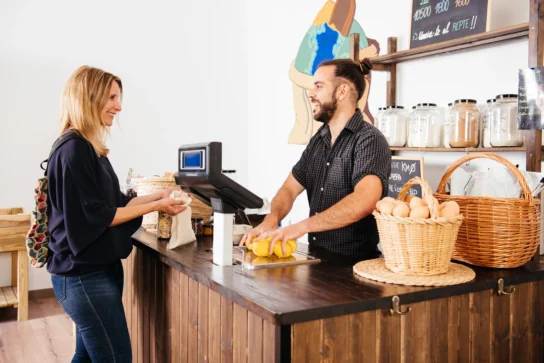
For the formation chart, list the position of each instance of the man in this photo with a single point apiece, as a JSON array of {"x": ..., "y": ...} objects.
[{"x": 344, "y": 170}]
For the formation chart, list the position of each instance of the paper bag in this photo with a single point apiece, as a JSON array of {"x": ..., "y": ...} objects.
[{"x": 182, "y": 230}]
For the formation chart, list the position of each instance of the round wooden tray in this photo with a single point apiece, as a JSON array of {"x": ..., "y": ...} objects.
[{"x": 375, "y": 270}]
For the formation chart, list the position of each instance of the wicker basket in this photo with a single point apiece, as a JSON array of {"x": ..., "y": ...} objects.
[
  {"x": 417, "y": 246},
  {"x": 497, "y": 232},
  {"x": 146, "y": 186}
]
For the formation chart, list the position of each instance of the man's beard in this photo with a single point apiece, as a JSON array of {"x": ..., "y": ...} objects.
[{"x": 326, "y": 111}]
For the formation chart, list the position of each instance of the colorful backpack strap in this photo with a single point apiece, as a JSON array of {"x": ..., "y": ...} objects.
[
  {"x": 37, "y": 238},
  {"x": 67, "y": 135}
]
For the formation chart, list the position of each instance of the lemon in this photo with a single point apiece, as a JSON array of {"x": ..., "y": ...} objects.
[
  {"x": 260, "y": 248},
  {"x": 290, "y": 248},
  {"x": 249, "y": 243}
]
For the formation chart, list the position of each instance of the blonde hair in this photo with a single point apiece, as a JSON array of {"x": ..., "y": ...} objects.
[{"x": 85, "y": 95}]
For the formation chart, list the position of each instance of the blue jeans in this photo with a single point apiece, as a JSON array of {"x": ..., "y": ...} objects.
[{"x": 93, "y": 302}]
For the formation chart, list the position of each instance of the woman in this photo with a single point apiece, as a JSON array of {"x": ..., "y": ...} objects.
[{"x": 91, "y": 221}]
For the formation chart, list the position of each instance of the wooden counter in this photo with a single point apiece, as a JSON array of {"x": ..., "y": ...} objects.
[{"x": 181, "y": 307}]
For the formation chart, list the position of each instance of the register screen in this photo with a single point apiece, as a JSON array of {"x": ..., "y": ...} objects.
[{"x": 193, "y": 159}]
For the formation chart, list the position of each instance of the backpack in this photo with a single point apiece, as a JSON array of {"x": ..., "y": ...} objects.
[{"x": 37, "y": 238}]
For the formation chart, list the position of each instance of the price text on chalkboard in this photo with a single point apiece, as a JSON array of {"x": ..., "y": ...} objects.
[
  {"x": 435, "y": 21},
  {"x": 402, "y": 170},
  {"x": 531, "y": 99}
]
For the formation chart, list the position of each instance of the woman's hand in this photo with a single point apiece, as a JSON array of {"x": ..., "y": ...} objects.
[
  {"x": 142, "y": 205},
  {"x": 165, "y": 193},
  {"x": 170, "y": 206}
]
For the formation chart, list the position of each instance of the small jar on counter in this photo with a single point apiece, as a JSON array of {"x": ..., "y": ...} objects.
[
  {"x": 447, "y": 124},
  {"x": 424, "y": 126},
  {"x": 394, "y": 122},
  {"x": 485, "y": 137},
  {"x": 129, "y": 190},
  {"x": 207, "y": 229},
  {"x": 465, "y": 124},
  {"x": 503, "y": 121},
  {"x": 164, "y": 226},
  {"x": 198, "y": 226}
]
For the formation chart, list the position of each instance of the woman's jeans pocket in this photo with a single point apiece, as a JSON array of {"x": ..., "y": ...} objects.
[{"x": 59, "y": 286}]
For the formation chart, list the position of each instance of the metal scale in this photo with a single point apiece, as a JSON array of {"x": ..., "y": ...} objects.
[{"x": 200, "y": 172}]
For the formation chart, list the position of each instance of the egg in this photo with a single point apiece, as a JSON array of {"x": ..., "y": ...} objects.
[
  {"x": 416, "y": 202},
  {"x": 452, "y": 204},
  {"x": 421, "y": 211},
  {"x": 378, "y": 204},
  {"x": 387, "y": 208},
  {"x": 448, "y": 211},
  {"x": 398, "y": 202},
  {"x": 441, "y": 206},
  {"x": 409, "y": 198},
  {"x": 388, "y": 199},
  {"x": 401, "y": 210}
]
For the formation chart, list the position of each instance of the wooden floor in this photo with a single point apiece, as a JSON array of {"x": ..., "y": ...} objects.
[{"x": 45, "y": 337}]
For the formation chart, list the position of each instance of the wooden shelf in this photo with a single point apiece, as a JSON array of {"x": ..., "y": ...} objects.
[
  {"x": 460, "y": 150},
  {"x": 8, "y": 296},
  {"x": 473, "y": 41}
]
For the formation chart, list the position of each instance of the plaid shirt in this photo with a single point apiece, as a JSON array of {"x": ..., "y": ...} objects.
[{"x": 329, "y": 174}]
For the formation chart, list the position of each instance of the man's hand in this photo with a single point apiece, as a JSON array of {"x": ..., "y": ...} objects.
[
  {"x": 267, "y": 225},
  {"x": 284, "y": 234},
  {"x": 281, "y": 205}
]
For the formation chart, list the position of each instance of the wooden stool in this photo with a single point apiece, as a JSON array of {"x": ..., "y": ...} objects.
[{"x": 13, "y": 229}]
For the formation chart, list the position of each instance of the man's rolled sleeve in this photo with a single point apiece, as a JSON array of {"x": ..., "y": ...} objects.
[
  {"x": 372, "y": 156},
  {"x": 301, "y": 167}
]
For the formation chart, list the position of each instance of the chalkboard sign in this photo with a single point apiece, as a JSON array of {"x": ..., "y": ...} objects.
[
  {"x": 402, "y": 170},
  {"x": 435, "y": 21},
  {"x": 531, "y": 99}
]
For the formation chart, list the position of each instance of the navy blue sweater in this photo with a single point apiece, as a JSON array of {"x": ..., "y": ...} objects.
[{"x": 83, "y": 198}]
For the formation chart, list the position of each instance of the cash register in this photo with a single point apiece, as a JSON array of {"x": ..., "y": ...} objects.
[{"x": 200, "y": 173}]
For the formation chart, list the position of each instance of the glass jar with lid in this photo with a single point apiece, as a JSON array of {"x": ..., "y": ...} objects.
[
  {"x": 503, "y": 122},
  {"x": 485, "y": 137},
  {"x": 465, "y": 124},
  {"x": 378, "y": 120},
  {"x": 198, "y": 226},
  {"x": 424, "y": 126},
  {"x": 394, "y": 125},
  {"x": 410, "y": 116},
  {"x": 446, "y": 127},
  {"x": 378, "y": 116}
]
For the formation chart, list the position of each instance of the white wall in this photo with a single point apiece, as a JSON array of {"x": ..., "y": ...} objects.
[
  {"x": 275, "y": 33},
  {"x": 479, "y": 74},
  {"x": 183, "y": 66}
]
